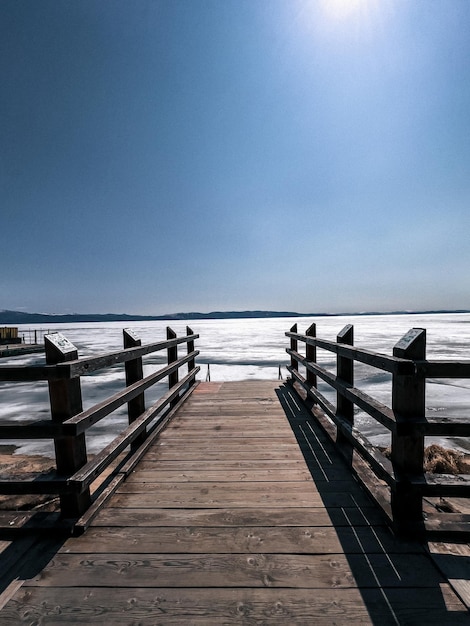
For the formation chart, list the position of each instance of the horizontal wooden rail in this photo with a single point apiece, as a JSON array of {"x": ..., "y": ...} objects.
[
  {"x": 81, "y": 422},
  {"x": 34, "y": 429},
  {"x": 442, "y": 369},
  {"x": 381, "y": 465},
  {"x": 75, "y": 473},
  {"x": 26, "y": 374},
  {"x": 92, "y": 470},
  {"x": 384, "y": 362},
  {"x": 84, "y": 366},
  {"x": 404, "y": 471},
  {"x": 374, "y": 408}
]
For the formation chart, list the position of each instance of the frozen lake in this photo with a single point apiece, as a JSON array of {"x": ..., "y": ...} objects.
[{"x": 248, "y": 349}]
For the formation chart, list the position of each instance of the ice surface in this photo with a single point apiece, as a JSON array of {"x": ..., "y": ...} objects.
[{"x": 244, "y": 349}]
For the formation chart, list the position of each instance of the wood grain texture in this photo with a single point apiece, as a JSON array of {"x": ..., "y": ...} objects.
[{"x": 277, "y": 607}]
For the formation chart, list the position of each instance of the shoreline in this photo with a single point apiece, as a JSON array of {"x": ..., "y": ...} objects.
[{"x": 12, "y": 464}]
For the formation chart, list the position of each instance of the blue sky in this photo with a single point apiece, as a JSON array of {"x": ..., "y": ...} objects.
[{"x": 182, "y": 155}]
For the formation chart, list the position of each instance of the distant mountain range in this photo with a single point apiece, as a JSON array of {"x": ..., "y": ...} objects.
[{"x": 18, "y": 317}]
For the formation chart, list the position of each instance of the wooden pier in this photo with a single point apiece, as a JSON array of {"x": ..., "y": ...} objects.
[
  {"x": 12, "y": 344},
  {"x": 241, "y": 512},
  {"x": 20, "y": 349}
]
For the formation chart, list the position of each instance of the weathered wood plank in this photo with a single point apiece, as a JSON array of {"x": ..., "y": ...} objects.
[
  {"x": 242, "y": 539},
  {"x": 318, "y": 473},
  {"x": 309, "y": 571},
  {"x": 291, "y": 516},
  {"x": 237, "y": 441},
  {"x": 187, "y": 453},
  {"x": 277, "y": 607},
  {"x": 168, "y": 606},
  {"x": 218, "y": 489},
  {"x": 222, "y": 464},
  {"x": 222, "y": 475},
  {"x": 217, "y": 497}
]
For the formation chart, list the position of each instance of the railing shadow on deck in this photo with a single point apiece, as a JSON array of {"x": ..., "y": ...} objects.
[
  {"x": 392, "y": 573},
  {"x": 24, "y": 558},
  {"x": 398, "y": 483}
]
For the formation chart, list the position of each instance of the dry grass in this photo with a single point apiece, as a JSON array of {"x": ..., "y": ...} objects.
[{"x": 439, "y": 460}]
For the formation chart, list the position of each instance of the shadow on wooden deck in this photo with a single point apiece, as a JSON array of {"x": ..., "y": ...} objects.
[{"x": 398, "y": 580}]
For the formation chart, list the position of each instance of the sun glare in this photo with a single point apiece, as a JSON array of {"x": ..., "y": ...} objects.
[{"x": 343, "y": 9}]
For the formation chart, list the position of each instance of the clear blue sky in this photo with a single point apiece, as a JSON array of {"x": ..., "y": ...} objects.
[{"x": 191, "y": 155}]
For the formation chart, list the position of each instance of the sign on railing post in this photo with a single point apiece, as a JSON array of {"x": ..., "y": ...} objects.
[
  {"x": 345, "y": 372},
  {"x": 311, "y": 354},
  {"x": 134, "y": 372},
  {"x": 407, "y": 455},
  {"x": 172, "y": 357},
  {"x": 66, "y": 401}
]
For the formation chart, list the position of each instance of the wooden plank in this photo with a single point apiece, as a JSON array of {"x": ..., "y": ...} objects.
[
  {"x": 186, "y": 453},
  {"x": 236, "y": 498},
  {"x": 241, "y": 540},
  {"x": 202, "y": 606},
  {"x": 217, "y": 489},
  {"x": 226, "y": 465},
  {"x": 152, "y": 485},
  {"x": 276, "y": 607},
  {"x": 292, "y": 516},
  {"x": 309, "y": 571},
  {"x": 230, "y": 443},
  {"x": 222, "y": 475},
  {"x": 182, "y": 606},
  {"x": 222, "y": 464}
]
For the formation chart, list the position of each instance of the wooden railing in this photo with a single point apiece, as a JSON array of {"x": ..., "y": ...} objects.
[
  {"x": 69, "y": 422},
  {"x": 403, "y": 471}
]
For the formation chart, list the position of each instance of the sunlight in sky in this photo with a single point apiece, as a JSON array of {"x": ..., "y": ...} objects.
[{"x": 344, "y": 9}]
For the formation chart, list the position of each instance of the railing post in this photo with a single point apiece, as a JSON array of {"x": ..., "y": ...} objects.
[
  {"x": 190, "y": 344},
  {"x": 294, "y": 346},
  {"x": 311, "y": 354},
  {"x": 407, "y": 455},
  {"x": 345, "y": 372},
  {"x": 172, "y": 357},
  {"x": 66, "y": 401},
  {"x": 134, "y": 372}
]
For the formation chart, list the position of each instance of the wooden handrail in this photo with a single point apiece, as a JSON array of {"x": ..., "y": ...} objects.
[
  {"x": 93, "y": 468},
  {"x": 384, "y": 362},
  {"x": 406, "y": 419},
  {"x": 75, "y": 473},
  {"x": 81, "y": 367},
  {"x": 374, "y": 408},
  {"x": 443, "y": 369},
  {"x": 81, "y": 422},
  {"x": 84, "y": 366}
]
